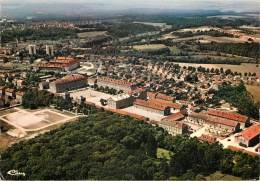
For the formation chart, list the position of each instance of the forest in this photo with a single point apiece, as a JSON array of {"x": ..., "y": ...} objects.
[
  {"x": 119, "y": 30},
  {"x": 37, "y": 34},
  {"x": 108, "y": 146}
]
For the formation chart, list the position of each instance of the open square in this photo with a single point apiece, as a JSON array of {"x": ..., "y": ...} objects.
[{"x": 34, "y": 120}]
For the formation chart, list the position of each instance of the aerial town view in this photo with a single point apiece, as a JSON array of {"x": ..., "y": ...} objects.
[{"x": 129, "y": 90}]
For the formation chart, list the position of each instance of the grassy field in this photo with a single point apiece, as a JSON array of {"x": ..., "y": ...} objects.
[
  {"x": 174, "y": 50},
  {"x": 91, "y": 34},
  {"x": 168, "y": 36},
  {"x": 255, "y": 91},
  {"x": 214, "y": 176}
]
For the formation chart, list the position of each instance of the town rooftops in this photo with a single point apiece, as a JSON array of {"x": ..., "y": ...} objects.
[
  {"x": 251, "y": 132},
  {"x": 150, "y": 104},
  {"x": 174, "y": 117},
  {"x": 169, "y": 104},
  {"x": 228, "y": 115},
  {"x": 70, "y": 78}
]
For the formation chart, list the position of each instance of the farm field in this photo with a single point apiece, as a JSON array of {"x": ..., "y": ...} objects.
[
  {"x": 92, "y": 34},
  {"x": 5, "y": 141},
  {"x": 255, "y": 91}
]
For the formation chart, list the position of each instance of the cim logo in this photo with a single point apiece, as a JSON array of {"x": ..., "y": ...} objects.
[{"x": 15, "y": 173}]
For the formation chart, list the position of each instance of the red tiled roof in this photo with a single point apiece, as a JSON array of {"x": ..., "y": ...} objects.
[
  {"x": 160, "y": 96},
  {"x": 228, "y": 115},
  {"x": 174, "y": 117},
  {"x": 164, "y": 97},
  {"x": 59, "y": 62},
  {"x": 166, "y": 103},
  {"x": 70, "y": 78},
  {"x": 251, "y": 132},
  {"x": 150, "y": 104}
]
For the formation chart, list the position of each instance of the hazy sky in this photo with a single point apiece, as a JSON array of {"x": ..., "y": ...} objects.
[
  {"x": 187, "y": 4},
  {"x": 223, "y": 5}
]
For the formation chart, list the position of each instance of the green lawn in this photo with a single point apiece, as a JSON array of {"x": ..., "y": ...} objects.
[
  {"x": 162, "y": 153},
  {"x": 220, "y": 176}
]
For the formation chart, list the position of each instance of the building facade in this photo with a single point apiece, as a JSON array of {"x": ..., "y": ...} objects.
[
  {"x": 120, "y": 101},
  {"x": 250, "y": 136},
  {"x": 173, "y": 124},
  {"x": 67, "y": 83},
  {"x": 152, "y": 106},
  {"x": 123, "y": 85}
]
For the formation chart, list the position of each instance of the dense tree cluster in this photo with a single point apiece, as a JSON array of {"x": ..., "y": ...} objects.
[
  {"x": 239, "y": 97},
  {"x": 34, "y": 99},
  {"x": 120, "y": 30},
  {"x": 242, "y": 49},
  {"x": 37, "y": 34},
  {"x": 109, "y": 146}
]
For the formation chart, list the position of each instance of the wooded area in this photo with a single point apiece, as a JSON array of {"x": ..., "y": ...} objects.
[{"x": 109, "y": 146}]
